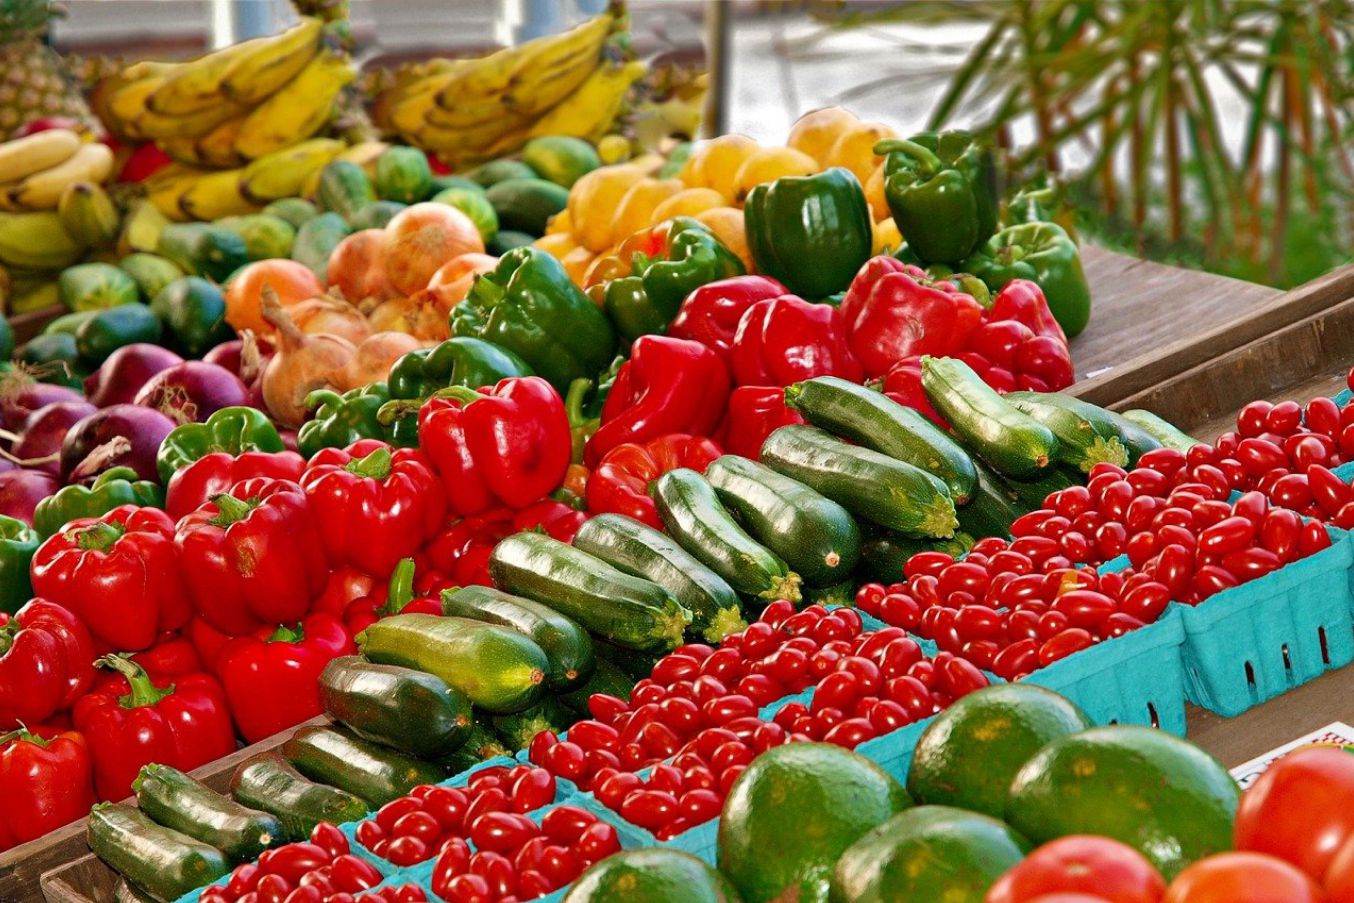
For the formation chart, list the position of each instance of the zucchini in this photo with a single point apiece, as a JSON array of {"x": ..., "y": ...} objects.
[
  {"x": 185, "y": 804},
  {"x": 833, "y": 596},
  {"x": 412, "y": 711},
  {"x": 993, "y": 509},
  {"x": 517, "y": 730},
  {"x": 566, "y": 645},
  {"x": 1165, "y": 432},
  {"x": 613, "y": 605},
  {"x": 873, "y": 486},
  {"x": 1137, "y": 440},
  {"x": 606, "y": 678},
  {"x": 482, "y": 744},
  {"x": 1014, "y": 443},
  {"x": 883, "y": 553},
  {"x": 374, "y": 773},
  {"x": 691, "y": 511},
  {"x": 817, "y": 538},
  {"x": 160, "y": 861},
  {"x": 500, "y": 669},
  {"x": 874, "y": 420},
  {"x": 1086, "y": 434},
  {"x": 127, "y": 892},
  {"x": 633, "y": 663},
  {"x": 641, "y": 551},
  {"x": 1030, "y": 495},
  {"x": 269, "y": 783}
]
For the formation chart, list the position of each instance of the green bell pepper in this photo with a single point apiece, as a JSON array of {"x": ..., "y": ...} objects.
[
  {"x": 657, "y": 269},
  {"x": 942, "y": 191},
  {"x": 459, "y": 361},
  {"x": 528, "y": 305},
  {"x": 115, "y": 486},
  {"x": 234, "y": 430},
  {"x": 1044, "y": 254},
  {"x": 813, "y": 233},
  {"x": 343, "y": 419},
  {"x": 18, "y": 542}
]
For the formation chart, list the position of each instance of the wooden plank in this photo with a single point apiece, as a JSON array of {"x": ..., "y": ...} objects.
[{"x": 86, "y": 880}]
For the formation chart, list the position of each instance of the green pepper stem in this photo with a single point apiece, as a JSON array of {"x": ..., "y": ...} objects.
[
  {"x": 230, "y": 509},
  {"x": 322, "y": 397},
  {"x": 98, "y": 537},
  {"x": 285, "y": 634},
  {"x": 400, "y": 590},
  {"x": 375, "y": 466},
  {"x": 23, "y": 734},
  {"x": 792, "y": 393},
  {"x": 393, "y": 410},
  {"x": 573, "y": 400},
  {"x": 144, "y": 692},
  {"x": 928, "y": 163},
  {"x": 463, "y": 394}
]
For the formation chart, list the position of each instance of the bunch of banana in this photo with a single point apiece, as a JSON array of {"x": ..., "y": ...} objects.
[
  {"x": 471, "y": 110},
  {"x": 36, "y": 169},
  {"x": 242, "y": 103},
  {"x": 37, "y": 240}
]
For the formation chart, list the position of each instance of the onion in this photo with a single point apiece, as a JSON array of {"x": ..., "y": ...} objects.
[
  {"x": 21, "y": 490},
  {"x": 21, "y": 395},
  {"x": 417, "y": 315},
  {"x": 39, "y": 445},
  {"x": 127, "y": 435},
  {"x": 372, "y": 360},
  {"x": 192, "y": 391},
  {"x": 330, "y": 315},
  {"x": 303, "y": 363},
  {"x": 124, "y": 373},
  {"x": 233, "y": 355}
]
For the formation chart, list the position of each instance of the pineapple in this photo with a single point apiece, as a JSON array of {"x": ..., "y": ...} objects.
[{"x": 34, "y": 82}]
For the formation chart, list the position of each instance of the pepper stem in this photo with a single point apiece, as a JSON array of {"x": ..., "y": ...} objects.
[
  {"x": 375, "y": 466},
  {"x": 98, "y": 537},
  {"x": 285, "y": 634},
  {"x": 573, "y": 400},
  {"x": 23, "y": 734},
  {"x": 400, "y": 590},
  {"x": 144, "y": 692},
  {"x": 230, "y": 509},
  {"x": 928, "y": 164},
  {"x": 464, "y": 394}
]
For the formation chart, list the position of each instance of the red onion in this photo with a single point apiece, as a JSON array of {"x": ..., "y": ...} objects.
[
  {"x": 125, "y": 435},
  {"x": 192, "y": 391},
  {"x": 21, "y": 490},
  {"x": 124, "y": 373},
  {"x": 44, "y": 431},
  {"x": 247, "y": 358},
  {"x": 21, "y": 395}
]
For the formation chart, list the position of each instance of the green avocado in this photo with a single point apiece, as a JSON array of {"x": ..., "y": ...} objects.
[{"x": 651, "y": 876}]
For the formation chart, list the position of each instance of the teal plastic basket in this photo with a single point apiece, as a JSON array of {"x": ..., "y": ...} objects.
[
  {"x": 893, "y": 751},
  {"x": 1259, "y": 640}
]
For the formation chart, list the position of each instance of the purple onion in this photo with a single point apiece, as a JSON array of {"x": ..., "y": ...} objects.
[
  {"x": 125, "y": 371},
  {"x": 21, "y": 490},
  {"x": 45, "y": 430},
  {"x": 123, "y": 435}
]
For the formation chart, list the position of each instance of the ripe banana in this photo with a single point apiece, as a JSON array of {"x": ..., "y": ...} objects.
[
  {"x": 88, "y": 213},
  {"x": 214, "y": 195},
  {"x": 197, "y": 86},
  {"x": 283, "y": 174},
  {"x": 41, "y": 191},
  {"x": 549, "y": 79},
  {"x": 475, "y": 137},
  {"x": 165, "y": 188},
  {"x": 298, "y": 110},
  {"x": 37, "y": 241},
  {"x": 192, "y": 125},
  {"x": 262, "y": 69},
  {"x": 127, "y": 103},
  {"x": 25, "y": 156},
  {"x": 217, "y": 147},
  {"x": 408, "y": 111},
  {"x": 590, "y": 111}
]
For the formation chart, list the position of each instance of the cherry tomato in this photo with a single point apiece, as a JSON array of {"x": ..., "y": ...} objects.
[
  {"x": 929, "y": 563},
  {"x": 1242, "y": 878},
  {"x": 613, "y": 791},
  {"x": 1085, "y": 608},
  {"x": 959, "y": 677},
  {"x": 406, "y": 851},
  {"x": 353, "y": 873},
  {"x": 912, "y": 695},
  {"x": 597, "y": 841},
  {"x": 464, "y": 888},
  {"x": 649, "y": 808},
  {"x": 1312, "y": 538},
  {"x": 1063, "y": 644},
  {"x": 418, "y": 824},
  {"x": 329, "y": 838},
  {"x": 1112, "y": 871},
  {"x": 294, "y": 860},
  {"x": 1145, "y": 602},
  {"x": 1230, "y": 534}
]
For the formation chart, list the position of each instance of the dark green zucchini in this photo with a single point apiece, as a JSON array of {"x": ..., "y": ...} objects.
[
  {"x": 870, "y": 485},
  {"x": 634, "y": 663},
  {"x": 883, "y": 553},
  {"x": 641, "y": 551},
  {"x": 993, "y": 509},
  {"x": 367, "y": 770},
  {"x": 565, "y": 643},
  {"x": 843, "y": 593},
  {"x": 269, "y": 783},
  {"x": 1165, "y": 432},
  {"x": 1030, "y": 495},
  {"x": 611, "y": 604},
  {"x": 160, "y": 861},
  {"x": 691, "y": 511},
  {"x": 412, "y": 711},
  {"x": 1013, "y": 442},
  {"x": 817, "y": 538},
  {"x": 517, "y": 730},
  {"x": 1087, "y": 435},
  {"x": 482, "y": 744},
  {"x": 1136, "y": 439},
  {"x": 607, "y": 679},
  {"x": 500, "y": 669},
  {"x": 190, "y": 807},
  {"x": 874, "y": 420}
]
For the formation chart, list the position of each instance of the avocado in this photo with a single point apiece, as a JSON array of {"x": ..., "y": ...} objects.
[
  {"x": 653, "y": 876},
  {"x": 526, "y": 205},
  {"x": 496, "y": 171}
]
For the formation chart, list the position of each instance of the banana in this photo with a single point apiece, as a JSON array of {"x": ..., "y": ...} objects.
[
  {"x": 284, "y": 173},
  {"x": 214, "y": 195},
  {"x": 590, "y": 111},
  {"x": 165, "y": 188},
  {"x": 407, "y": 112},
  {"x": 41, "y": 191},
  {"x": 262, "y": 70},
  {"x": 217, "y": 147},
  {"x": 545, "y": 82},
  {"x": 25, "y": 156},
  {"x": 197, "y": 86},
  {"x": 37, "y": 241},
  {"x": 473, "y": 137},
  {"x": 89, "y": 214},
  {"x": 182, "y": 150},
  {"x": 298, "y": 110},
  {"x": 191, "y": 125},
  {"x": 127, "y": 103},
  {"x": 33, "y": 295}
]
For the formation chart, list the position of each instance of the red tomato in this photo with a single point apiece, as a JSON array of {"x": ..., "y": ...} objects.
[
  {"x": 1115, "y": 871},
  {"x": 1243, "y": 878},
  {"x": 1301, "y": 809}
]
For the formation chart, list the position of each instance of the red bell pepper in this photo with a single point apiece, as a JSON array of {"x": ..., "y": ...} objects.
[
  {"x": 893, "y": 310},
  {"x": 191, "y": 487},
  {"x": 787, "y": 339},
  {"x": 252, "y": 555},
  {"x": 461, "y": 552},
  {"x": 509, "y": 445},
  {"x": 621, "y": 483},
  {"x": 172, "y": 656},
  {"x": 207, "y": 643},
  {"x": 133, "y": 722},
  {"x": 903, "y": 384},
  {"x": 46, "y": 663},
  {"x": 395, "y": 598},
  {"x": 345, "y": 585},
  {"x": 1021, "y": 342},
  {"x": 272, "y": 677},
  {"x": 754, "y": 413},
  {"x": 374, "y": 505},
  {"x": 45, "y": 783},
  {"x": 710, "y": 315},
  {"x": 1023, "y": 301},
  {"x": 555, "y": 519},
  {"x": 118, "y": 574},
  {"x": 668, "y": 386}
]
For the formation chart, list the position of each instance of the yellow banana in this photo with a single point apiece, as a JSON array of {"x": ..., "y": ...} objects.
[
  {"x": 35, "y": 296},
  {"x": 217, "y": 147},
  {"x": 475, "y": 137},
  {"x": 549, "y": 79},
  {"x": 197, "y": 86},
  {"x": 297, "y": 111},
  {"x": 214, "y": 195},
  {"x": 37, "y": 241},
  {"x": 283, "y": 174},
  {"x": 127, "y": 103},
  {"x": 141, "y": 228},
  {"x": 589, "y": 111},
  {"x": 88, "y": 213},
  {"x": 41, "y": 191},
  {"x": 191, "y": 125},
  {"x": 410, "y": 109},
  {"x": 25, "y": 156},
  {"x": 264, "y": 69},
  {"x": 182, "y": 150},
  {"x": 165, "y": 188}
]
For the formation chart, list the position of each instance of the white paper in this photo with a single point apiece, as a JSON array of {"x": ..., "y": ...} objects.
[{"x": 1334, "y": 734}]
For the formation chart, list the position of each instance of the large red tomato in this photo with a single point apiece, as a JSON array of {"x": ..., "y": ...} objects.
[
  {"x": 1339, "y": 879},
  {"x": 1069, "y": 898},
  {"x": 1105, "y": 868},
  {"x": 1301, "y": 809},
  {"x": 1243, "y": 878}
]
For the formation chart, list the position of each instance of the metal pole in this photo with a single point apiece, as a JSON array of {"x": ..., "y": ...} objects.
[{"x": 717, "y": 56}]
